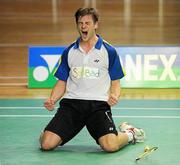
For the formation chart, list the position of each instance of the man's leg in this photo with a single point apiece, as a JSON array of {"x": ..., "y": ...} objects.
[
  {"x": 128, "y": 134},
  {"x": 112, "y": 142},
  {"x": 66, "y": 124},
  {"x": 49, "y": 140}
]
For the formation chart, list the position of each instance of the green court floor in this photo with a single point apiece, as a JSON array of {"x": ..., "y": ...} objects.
[{"x": 21, "y": 121}]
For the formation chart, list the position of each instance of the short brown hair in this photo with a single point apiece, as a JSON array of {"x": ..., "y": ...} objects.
[{"x": 87, "y": 11}]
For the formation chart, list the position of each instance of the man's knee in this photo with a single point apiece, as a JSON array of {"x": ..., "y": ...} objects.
[
  {"x": 49, "y": 141},
  {"x": 110, "y": 147},
  {"x": 109, "y": 143},
  {"x": 45, "y": 146}
]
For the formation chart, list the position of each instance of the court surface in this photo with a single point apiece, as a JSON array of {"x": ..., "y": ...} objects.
[{"x": 21, "y": 121}]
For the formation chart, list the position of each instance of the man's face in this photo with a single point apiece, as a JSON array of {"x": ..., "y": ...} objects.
[{"x": 86, "y": 27}]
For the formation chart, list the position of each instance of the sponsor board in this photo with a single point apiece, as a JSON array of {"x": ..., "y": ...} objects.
[{"x": 145, "y": 67}]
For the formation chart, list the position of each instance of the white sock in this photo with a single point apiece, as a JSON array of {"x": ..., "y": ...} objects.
[{"x": 130, "y": 136}]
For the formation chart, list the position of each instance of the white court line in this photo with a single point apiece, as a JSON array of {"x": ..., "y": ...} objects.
[
  {"x": 145, "y": 108},
  {"x": 114, "y": 116},
  {"x": 26, "y": 116},
  {"x": 123, "y": 108},
  {"x": 148, "y": 117},
  {"x": 23, "y": 107}
]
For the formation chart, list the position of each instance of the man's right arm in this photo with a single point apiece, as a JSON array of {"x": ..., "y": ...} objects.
[{"x": 57, "y": 92}]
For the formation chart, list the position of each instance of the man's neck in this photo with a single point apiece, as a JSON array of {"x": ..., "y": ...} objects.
[{"x": 88, "y": 45}]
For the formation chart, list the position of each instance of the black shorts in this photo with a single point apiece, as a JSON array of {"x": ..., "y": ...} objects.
[{"x": 74, "y": 114}]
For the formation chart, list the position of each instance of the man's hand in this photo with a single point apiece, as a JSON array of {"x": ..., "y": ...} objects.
[
  {"x": 113, "y": 99},
  {"x": 49, "y": 104}
]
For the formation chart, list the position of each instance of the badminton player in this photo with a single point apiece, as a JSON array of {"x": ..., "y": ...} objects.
[{"x": 88, "y": 86}]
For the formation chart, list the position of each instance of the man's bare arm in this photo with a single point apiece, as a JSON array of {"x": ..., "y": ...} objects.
[
  {"x": 114, "y": 92},
  {"x": 57, "y": 92}
]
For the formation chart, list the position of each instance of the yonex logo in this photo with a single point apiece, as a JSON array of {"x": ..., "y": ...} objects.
[
  {"x": 41, "y": 73},
  {"x": 96, "y": 60},
  {"x": 151, "y": 67},
  {"x": 111, "y": 128}
]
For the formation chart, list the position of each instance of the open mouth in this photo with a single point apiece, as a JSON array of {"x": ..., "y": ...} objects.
[{"x": 84, "y": 33}]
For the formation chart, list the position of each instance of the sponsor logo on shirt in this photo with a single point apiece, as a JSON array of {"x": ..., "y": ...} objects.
[{"x": 85, "y": 72}]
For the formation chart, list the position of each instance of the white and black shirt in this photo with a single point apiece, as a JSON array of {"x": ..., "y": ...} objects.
[{"x": 89, "y": 75}]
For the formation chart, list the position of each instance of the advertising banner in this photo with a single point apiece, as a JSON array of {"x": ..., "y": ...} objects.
[
  {"x": 151, "y": 67},
  {"x": 145, "y": 67},
  {"x": 43, "y": 61}
]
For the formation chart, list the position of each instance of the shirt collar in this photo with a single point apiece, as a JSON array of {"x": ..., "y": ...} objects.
[{"x": 97, "y": 46}]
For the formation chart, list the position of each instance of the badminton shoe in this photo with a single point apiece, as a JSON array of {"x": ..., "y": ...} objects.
[{"x": 138, "y": 133}]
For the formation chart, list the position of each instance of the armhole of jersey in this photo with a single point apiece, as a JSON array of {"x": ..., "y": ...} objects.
[
  {"x": 112, "y": 55},
  {"x": 65, "y": 56}
]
